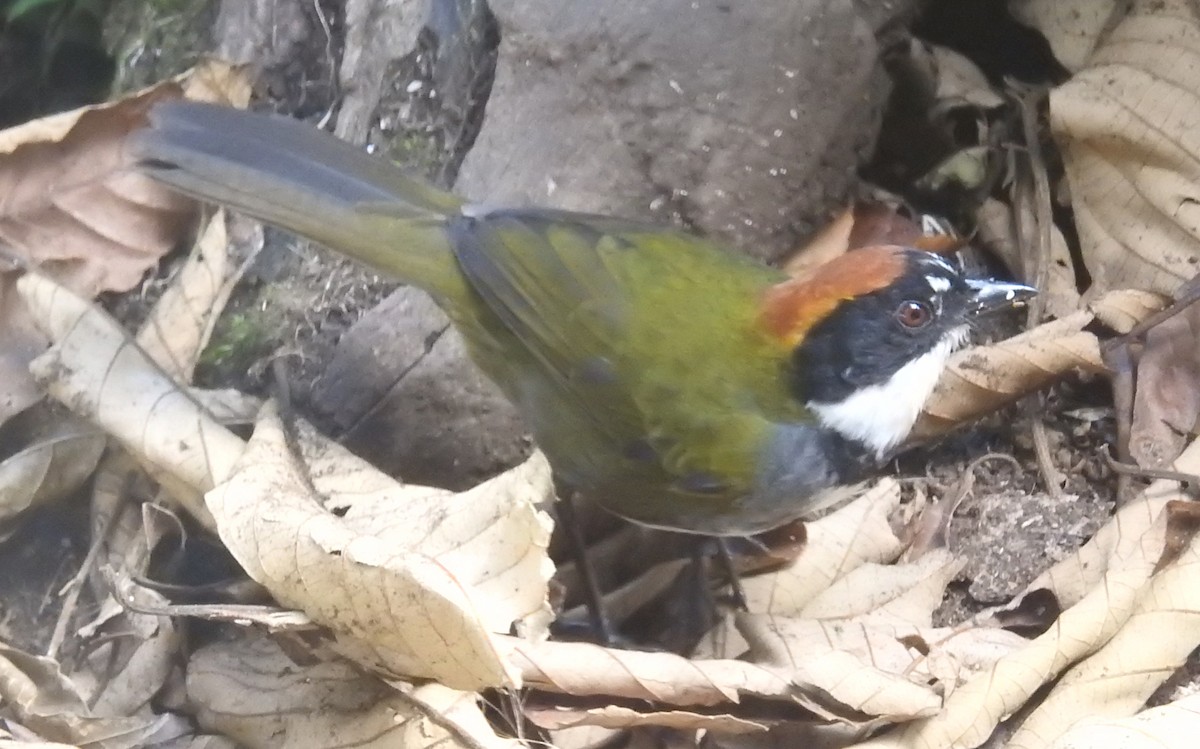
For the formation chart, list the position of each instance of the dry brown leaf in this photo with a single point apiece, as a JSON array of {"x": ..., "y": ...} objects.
[
  {"x": 863, "y": 224},
  {"x": 1171, "y": 726},
  {"x": 1073, "y": 27},
  {"x": 1159, "y": 633},
  {"x": 75, "y": 209},
  {"x": 1126, "y": 124},
  {"x": 1166, "y": 401},
  {"x": 831, "y": 241},
  {"x": 251, "y": 691},
  {"x": 418, "y": 578}
]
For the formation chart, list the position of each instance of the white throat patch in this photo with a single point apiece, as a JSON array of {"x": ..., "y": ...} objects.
[{"x": 881, "y": 416}]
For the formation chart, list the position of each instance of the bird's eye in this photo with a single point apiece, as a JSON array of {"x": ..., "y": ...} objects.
[{"x": 912, "y": 314}]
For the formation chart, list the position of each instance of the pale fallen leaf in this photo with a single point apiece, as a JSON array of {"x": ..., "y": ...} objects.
[
  {"x": 40, "y": 697},
  {"x": 1120, "y": 538},
  {"x": 905, "y": 592},
  {"x": 584, "y": 737},
  {"x": 249, "y": 690},
  {"x": 960, "y": 81},
  {"x": 1170, "y": 726},
  {"x": 972, "y": 712},
  {"x": 1073, "y": 27},
  {"x": 181, "y": 322},
  {"x": 853, "y": 684},
  {"x": 55, "y": 463},
  {"x": 1126, "y": 124},
  {"x": 140, "y": 662},
  {"x": 587, "y": 669},
  {"x": 1159, "y": 633},
  {"x": 418, "y": 577},
  {"x": 836, "y": 544}
]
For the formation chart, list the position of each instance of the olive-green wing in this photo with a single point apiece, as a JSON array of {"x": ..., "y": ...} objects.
[
  {"x": 543, "y": 275},
  {"x": 644, "y": 330}
]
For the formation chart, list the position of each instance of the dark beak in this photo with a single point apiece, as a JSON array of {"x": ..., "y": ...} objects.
[{"x": 993, "y": 296}]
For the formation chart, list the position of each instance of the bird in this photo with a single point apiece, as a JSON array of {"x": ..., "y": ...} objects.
[{"x": 673, "y": 381}]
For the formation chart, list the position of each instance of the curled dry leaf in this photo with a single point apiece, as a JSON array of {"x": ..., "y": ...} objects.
[
  {"x": 251, "y": 691},
  {"x": 899, "y": 593},
  {"x": 585, "y": 669},
  {"x": 97, "y": 371},
  {"x": 138, "y": 655},
  {"x": 1126, "y": 123},
  {"x": 418, "y": 578},
  {"x": 1170, "y": 726},
  {"x": 1155, "y": 641},
  {"x": 621, "y": 716},
  {"x": 960, "y": 81},
  {"x": 981, "y": 379}
]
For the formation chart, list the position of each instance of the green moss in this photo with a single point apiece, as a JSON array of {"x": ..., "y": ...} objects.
[{"x": 239, "y": 341}]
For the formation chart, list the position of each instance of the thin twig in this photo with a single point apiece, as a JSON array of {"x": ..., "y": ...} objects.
[
  {"x": 1028, "y": 102},
  {"x": 74, "y": 587},
  {"x": 1191, "y": 480},
  {"x": 967, "y": 484}
]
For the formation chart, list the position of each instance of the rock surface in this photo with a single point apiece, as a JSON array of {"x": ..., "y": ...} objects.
[{"x": 741, "y": 120}]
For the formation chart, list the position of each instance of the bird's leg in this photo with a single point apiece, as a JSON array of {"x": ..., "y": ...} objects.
[
  {"x": 595, "y": 603},
  {"x": 737, "y": 593}
]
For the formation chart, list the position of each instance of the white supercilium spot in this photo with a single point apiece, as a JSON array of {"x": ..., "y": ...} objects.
[
  {"x": 938, "y": 284},
  {"x": 881, "y": 416}
]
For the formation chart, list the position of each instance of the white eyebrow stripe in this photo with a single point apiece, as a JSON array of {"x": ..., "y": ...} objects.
[{"x": 938, "y": 284}]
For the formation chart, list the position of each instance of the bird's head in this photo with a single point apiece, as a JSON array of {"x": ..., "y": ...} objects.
[{"x": 870, "y": 333}]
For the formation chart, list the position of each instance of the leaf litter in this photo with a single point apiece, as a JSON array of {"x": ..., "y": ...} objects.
[{"x": 354, "y": 587}]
